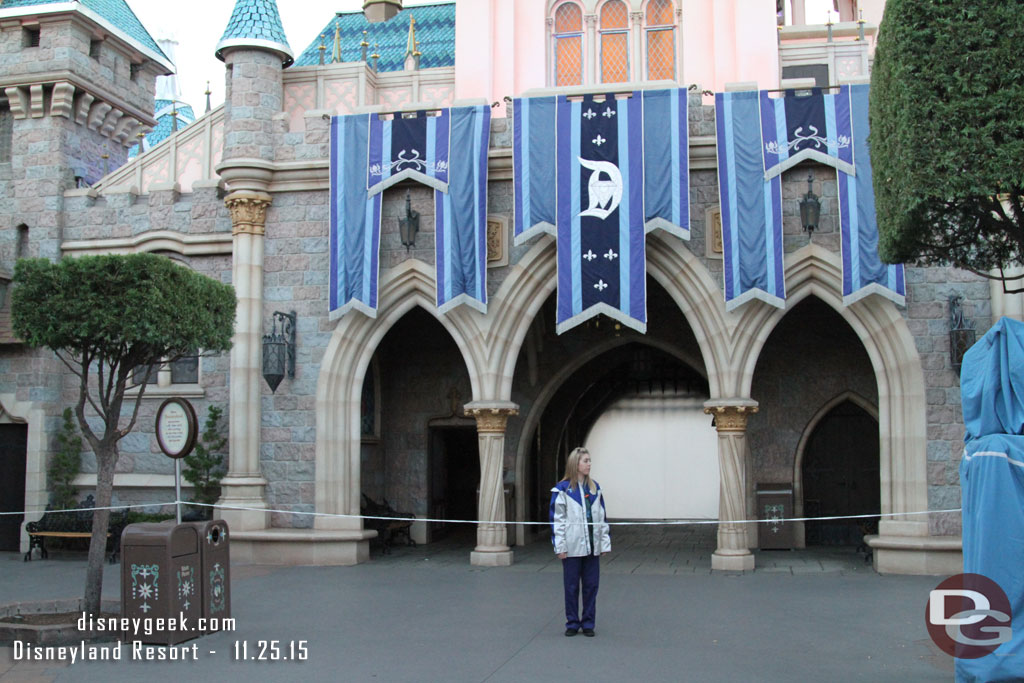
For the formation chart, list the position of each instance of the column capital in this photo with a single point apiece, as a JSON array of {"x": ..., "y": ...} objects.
[
  {"x": 590, "y": 20},
  {"x": 731, "y": 414},
  {"x": 248, "y": 211},
  {"x": 491, "y": 416}
]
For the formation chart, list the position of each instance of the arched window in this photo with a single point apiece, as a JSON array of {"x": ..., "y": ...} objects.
[
  {"x": 614, "y": 42},
  {"x": 661, "y": 40},
  {"x": 568, "y": 44}
]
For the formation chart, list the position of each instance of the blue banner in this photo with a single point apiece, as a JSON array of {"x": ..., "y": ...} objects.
[
  {"x": 601, "y": 238},
  {"x": 760, "y": 137},
  {"x": 863, "y": 270},
  {"x": 371, "y": 152},
  {"x": 620, "y": 170},
  {"x": 751, "y": 205}
]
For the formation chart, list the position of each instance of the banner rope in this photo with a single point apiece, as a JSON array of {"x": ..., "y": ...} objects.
[{"x": 663, "y": 522}]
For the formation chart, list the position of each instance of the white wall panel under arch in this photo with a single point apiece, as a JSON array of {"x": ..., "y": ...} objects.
[{"x": 656, "y": 457}]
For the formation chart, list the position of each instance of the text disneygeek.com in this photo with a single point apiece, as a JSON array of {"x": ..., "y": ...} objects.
[{"x": 131, "y": 630}]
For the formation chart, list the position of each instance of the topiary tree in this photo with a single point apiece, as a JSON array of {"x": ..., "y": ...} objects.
[
  {"x": 204, "y": 467},
  {"x": 65, "y": 465},
  {"x": 104, "y": 316},
  {"x": 947, "y": 133}
]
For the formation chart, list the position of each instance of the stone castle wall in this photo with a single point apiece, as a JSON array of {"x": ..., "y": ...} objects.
[{"x": 296, "y": 278}]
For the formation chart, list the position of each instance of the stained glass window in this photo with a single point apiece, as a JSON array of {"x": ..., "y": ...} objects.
[
  {"x": 568, "y": 44},
  {"x": 661, "y": 41},
  {"x": 614, "y": 42}
]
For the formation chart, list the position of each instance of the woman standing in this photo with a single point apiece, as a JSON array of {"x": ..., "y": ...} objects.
[{"x": 580, "y": 536}]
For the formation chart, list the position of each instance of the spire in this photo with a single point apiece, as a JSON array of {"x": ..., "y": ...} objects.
[
  {"x": 336, "y": 55},
  {"x": 410, "y": 43},
  {"x": 256, "y": 24},
  {"x": 412, "y": 47}
]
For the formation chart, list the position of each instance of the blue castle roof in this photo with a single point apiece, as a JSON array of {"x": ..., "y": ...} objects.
[
  {"x": 117, "y": 12},
  {"x": 256, "y": 23},
  {"x": 165, "y": 124},
  {"x": 435, "y": 31}
]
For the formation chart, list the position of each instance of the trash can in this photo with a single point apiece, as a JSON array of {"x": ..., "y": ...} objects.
[
  {"x": 775, "y": 503},
  {"x": 160, "y": 580},
  {"x": 215, "y": 572}
]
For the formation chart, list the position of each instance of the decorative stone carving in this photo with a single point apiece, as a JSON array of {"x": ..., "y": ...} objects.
[
  {"x": 18, "y": 101},
  {"x": 248, "y": 211},
  {"x": 62, "y": 100},
  {"x": 713, "y": 229},
  {"x": 731, "y": 418},
  {"x": 497, "y": 241},
  {"x": 491, "y": 420}
]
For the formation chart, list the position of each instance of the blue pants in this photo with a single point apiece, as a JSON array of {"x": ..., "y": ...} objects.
[{"x": 575, "y": 570}]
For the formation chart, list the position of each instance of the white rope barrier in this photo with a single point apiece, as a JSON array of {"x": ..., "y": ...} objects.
[{"x": 662, "y": 522}]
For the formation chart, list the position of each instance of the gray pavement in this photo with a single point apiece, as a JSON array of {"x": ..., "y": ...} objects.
[{"x": 425, "y": 614}]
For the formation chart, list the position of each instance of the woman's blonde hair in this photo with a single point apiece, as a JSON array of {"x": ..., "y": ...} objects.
[{"x": 572, "y": 469}]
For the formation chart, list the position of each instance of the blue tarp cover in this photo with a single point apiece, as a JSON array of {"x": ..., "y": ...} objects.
[{"x": 992, "y": 485}]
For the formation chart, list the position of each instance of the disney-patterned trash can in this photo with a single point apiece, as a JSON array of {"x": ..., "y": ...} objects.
[
  {"x": 215, "y": 570},
  {"x": 160, "y": 581}
]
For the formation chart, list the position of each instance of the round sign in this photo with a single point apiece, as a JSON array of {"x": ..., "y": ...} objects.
[{"x": 176, "y": 427}]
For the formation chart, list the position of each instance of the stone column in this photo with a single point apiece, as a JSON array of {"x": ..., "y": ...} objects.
[
  {"x": 491, "y": 547},
  {"x": 591, "y": 50},
  {"x": 244, "y": 485},
  {"x": 637, "y": 51},
  {"x": 731, "y": 422}
]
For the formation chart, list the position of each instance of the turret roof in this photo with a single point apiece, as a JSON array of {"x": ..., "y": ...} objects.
[{"x": 256, "y": 23}]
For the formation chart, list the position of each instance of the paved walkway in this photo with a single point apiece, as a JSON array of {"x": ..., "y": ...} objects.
[{"x": 424, "y": 614}]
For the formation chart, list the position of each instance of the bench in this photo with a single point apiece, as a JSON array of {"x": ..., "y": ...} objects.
[
  {"x": 77, "y": 524},
  {"x": 388, "y": 531}
]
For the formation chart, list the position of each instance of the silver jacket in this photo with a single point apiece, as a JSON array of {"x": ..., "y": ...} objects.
[{"x": 569, "y": 522}]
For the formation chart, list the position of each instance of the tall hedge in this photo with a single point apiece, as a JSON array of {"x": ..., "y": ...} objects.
[{"x": 947, "y": 132}]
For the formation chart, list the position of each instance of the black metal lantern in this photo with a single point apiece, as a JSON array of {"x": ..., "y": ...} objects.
[
  {"x": 410, "y": 225},
  {"x": 279, "y": 350},
  {"x": 962, "y": 332},
  {"x": 810, "y": 207}
]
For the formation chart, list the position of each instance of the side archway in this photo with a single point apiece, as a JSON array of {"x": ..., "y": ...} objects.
[
  {"x": 339, "y": 386},
  {"x": 815, "y": 271}
]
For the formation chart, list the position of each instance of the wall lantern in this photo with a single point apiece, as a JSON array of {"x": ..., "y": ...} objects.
[
  {"x": 810, "y": 207},
  {"x": 962, "y": 332},
  {"x": 410, "y": 225},
  {"x": 279, "y": 350}
]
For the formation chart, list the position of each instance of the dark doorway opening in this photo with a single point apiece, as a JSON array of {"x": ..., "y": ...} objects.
[
  {"x": 454, "y": 477},
  {"x": 13, "y": 450},
  {"x": 840, "y": 475}
]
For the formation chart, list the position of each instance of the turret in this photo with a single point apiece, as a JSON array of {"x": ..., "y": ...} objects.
[{"x": 255, "y": 49}]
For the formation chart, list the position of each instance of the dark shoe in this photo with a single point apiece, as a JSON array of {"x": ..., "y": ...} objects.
[
  {"x": 570, "y": 632},
  {"x": 588, "y": 632}
]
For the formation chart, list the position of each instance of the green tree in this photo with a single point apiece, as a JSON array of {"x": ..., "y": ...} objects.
[
  {"x": 204, "y": 467},
  {"x": 65, "y": 464},
  {"x": 947, "y": 133},
  {"x": 103, "y": 316}
]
